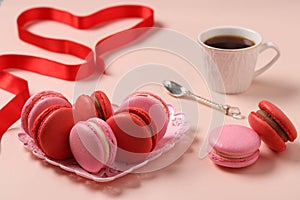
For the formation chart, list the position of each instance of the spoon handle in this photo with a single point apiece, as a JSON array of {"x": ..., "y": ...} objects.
[
  {"x": 226, "y": 109},
  {"x": 207, "y": 102}
]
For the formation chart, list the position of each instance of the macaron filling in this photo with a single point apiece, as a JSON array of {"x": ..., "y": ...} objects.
[
  {"x": 153, "y": 134},
  {"x": 98, "y": 107},
  {"x": 145, "y": 119},
  {"x": 103, "y": 138},
  {"x": 224, "y": 155},
  {"x": 268, "y": 118}
]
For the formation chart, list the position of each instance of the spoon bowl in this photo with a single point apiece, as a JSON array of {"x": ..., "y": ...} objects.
[{"x": 174, "y": 88}]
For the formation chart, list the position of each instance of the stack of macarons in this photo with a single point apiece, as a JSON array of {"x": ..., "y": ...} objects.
[
  {"x": 139, "y": 123},
  {"x": 91, "y": 131},
  {"x": 153, "y": 105},
  {"x": 237, "y": 146},
  {"x": 47, "y": 117}
]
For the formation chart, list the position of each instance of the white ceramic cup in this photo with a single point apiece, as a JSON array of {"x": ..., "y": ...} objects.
[{"x": 231, "y": 71}]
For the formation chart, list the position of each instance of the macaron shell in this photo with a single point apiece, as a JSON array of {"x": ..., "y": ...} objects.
[
  {"x": 233, "y": 163},
  {"x": 152, "y": 96},
  {"x": 52, "y": 129},
  {"x": 266, "y": 132},
  {"x": 104, "y": 104},
  {"x": 280, "y": 118},
  {"x": 147, "y": 119},
  {"x": 234, "y": 140},
  {"x": 131, "y": 132},
  {"x": 84, "y": 108}
]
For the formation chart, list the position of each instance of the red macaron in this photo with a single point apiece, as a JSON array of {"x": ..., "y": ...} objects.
[
  {"x": 102, "y": 104},
  {"x": 96, "y": 105},
  {"x": 273, "y": 126},
  {"x": 51, "y": 131},
  {"x": 135, "y": 134}
]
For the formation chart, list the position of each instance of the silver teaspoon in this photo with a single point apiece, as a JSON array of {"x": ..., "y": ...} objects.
[{"x": 178, "y": 90}]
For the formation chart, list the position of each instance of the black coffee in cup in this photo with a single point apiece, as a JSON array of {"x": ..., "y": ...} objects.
[{"x": 229, "y": 42}]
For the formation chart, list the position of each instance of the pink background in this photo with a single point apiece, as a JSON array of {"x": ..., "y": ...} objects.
[{"x": 274, "y": 176}]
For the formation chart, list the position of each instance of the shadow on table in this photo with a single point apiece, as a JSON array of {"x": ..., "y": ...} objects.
[
  {"x": 291, "y": 154},
  {"x": 129, "y": 181},
  {"x": 271, "y": 88},
  {"x": 265, "y": 164},
  {"x": 267, "y": 161}
]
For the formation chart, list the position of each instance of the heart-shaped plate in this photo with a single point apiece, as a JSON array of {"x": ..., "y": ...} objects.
[{"x": 176, "y": 130}]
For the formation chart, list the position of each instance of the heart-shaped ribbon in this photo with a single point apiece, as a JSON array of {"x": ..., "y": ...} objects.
[{"x": 10, "y": 113}]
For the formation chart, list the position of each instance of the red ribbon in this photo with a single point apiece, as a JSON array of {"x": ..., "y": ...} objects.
[{"x": 10, "y": 113}]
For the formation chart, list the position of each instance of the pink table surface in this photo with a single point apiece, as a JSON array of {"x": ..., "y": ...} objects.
[{"x": 274, "y": 176}]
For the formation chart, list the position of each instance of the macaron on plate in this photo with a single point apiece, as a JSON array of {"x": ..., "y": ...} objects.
[{"x": 176, "y": 129}]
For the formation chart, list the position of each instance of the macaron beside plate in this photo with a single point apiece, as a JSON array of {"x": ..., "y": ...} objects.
[{"x": 233, "y": 146}]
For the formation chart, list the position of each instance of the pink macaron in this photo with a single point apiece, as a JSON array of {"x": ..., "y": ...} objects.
[
  {"x": 36, "y": 104},
  {"x": 155, "y": 106},
  {"x": 93, "y": 144},
  {"x": 234, "y": 146}
]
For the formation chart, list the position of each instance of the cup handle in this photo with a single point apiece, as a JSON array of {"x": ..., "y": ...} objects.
[{"x": 264, "y": 47}]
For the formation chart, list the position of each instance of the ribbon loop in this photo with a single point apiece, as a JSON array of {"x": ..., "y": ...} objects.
[{"x": 10, "y": 113}]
